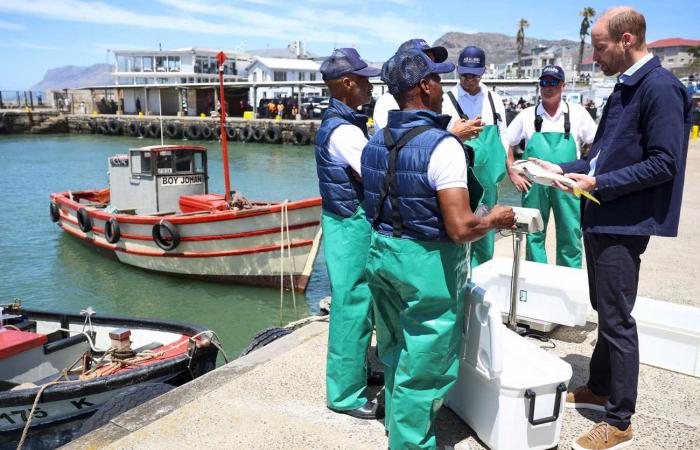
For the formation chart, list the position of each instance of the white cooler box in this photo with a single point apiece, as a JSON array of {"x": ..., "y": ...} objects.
[
  {"x": 548, "y": 293},
  {"x": 509, "y": 390}
]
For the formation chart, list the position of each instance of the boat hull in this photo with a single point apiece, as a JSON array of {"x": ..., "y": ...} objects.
[{"x": 243, "y": 247}]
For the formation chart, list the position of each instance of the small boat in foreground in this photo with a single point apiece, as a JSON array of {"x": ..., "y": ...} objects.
[
  {"x": 158, "y": 214},
  {"x": 73, "y": 364}
]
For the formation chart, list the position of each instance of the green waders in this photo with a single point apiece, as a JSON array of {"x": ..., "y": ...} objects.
[
  {"x": 345, "y": 244},
  {"x": 419, "y": 287},
  {"x": 556, "y": 148},
  {"x": 489, "y": 167}
]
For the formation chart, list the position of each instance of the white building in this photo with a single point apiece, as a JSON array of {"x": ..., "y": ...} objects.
[
  {"x": 673, "y": 52},
  {"x": 264, "y": 70}
]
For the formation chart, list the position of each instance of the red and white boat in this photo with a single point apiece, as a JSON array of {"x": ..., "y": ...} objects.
[{"x": 158, "y": 214}]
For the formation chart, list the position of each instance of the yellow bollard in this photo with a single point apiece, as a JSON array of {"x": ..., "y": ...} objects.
[
  {"x": 140, "y": 115},
  {"x": 202, "y": 116},
  {"x": 278, "y": 118},
  {"x": 94, "y": 113},
  {"x": 248, "y": 115},
  {"x": 694, "y": 133}
]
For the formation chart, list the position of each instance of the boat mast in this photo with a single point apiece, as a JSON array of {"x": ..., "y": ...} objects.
[{"x": 221, "y": 59}]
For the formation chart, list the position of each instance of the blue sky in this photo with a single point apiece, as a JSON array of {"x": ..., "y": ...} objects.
[{"x": 36, "y": 35}]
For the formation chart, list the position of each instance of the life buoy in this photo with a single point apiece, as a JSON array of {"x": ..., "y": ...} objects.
[
  {"x": 194, "y": 131},
  {"x": 115, "y": 127},
  {"x": 300, "y": 136},
  {"x": 206, "y": 133},
  {"x": 272, "y": 135},
  {"x": 112, "y": 231},
  {"x": 104, "y": 128},
  {"x": 55, "y": 212},
  {"x": 153, "y": 130},
  {"x": 173, "y": 130},
  {"x": 168, "y": 240},
  {"x": 246, "y": 133},
  {"x": 84, "y": 220},
  {"x": 258, "y": 134},
  {"x": 231, "y": 132},
  {"x": 133, "y": 129}
]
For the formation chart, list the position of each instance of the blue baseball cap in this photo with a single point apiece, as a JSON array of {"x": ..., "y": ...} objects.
[
  {"x": 553, "y": 71},
  {"x": 439, "y": 53},
  {"x": 344, "y": 61},
  {"x": 472, "y": 60},
  {"x": 405, "y": 69}
]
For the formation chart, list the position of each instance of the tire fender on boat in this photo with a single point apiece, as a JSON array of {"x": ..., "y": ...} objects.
[
  {"x": 112, "y": 231},
  {"x": 143, "y": 130},
  {"x": 194, "y": 131},
  {"x": 173, "y": 130},
  {"x": 104, "y": 128},
  {"x": 258, "y": 134},
  {"x": 264, "y": 337},
  {"x": 114, "y": 126},
  {"x": 206, "y": 133},
  {"x": 133, "y": 129},
  {"x": 217, "y": 133},
  {"x": 153, "y": 130},
  {"x": 160, "y": 239},
  {"x": 55, "y": 212},
  {"x": 84, "y": 220},
  {"x": 231, "y": 132},
  {"x": 246, "y": 133}
]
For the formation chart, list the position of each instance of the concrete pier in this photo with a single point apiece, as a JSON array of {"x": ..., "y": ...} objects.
[{"x": 274, "y": 398}]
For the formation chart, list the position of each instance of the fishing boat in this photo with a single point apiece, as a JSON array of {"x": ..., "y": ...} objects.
[
  {"x": 157, "y": 214},
  {"x": 58, "y": 367}
]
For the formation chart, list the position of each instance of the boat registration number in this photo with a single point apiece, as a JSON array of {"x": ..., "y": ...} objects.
[{"x": 181, "y": 180}]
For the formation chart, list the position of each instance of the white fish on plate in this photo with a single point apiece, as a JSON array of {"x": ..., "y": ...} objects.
[{"x": 540, "y": 175}]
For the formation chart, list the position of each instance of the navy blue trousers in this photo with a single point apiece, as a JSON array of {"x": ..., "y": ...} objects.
[{"x": 613, "y": 274}]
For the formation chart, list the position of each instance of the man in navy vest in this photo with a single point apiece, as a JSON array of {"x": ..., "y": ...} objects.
[
  {"x": 636, "y": 168},
  {"x": 339, "y": 144},
  {"x": 415, "y": 182}
]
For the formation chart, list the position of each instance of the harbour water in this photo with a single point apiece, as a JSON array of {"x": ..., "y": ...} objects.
[{"x": 45, "y": 268}]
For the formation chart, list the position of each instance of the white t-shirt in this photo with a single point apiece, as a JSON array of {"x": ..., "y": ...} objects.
[
  {"x": 384, "y": 104},
  {"x": 476, "y": 105},
  {"x": 583, "y": 128},
  {"x": 345, "y": 146},
  {"x": 448, "y": 166}
]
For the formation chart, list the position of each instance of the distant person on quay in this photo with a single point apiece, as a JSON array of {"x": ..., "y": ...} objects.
[
  {"x": 636, "y": 168},
  {"x": 339, "y": 143}
]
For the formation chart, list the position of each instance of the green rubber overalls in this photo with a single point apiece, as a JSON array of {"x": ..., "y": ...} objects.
[
  {"x": 489, "y": 168},
  {"x": 556, "y": 148},
  {"x": 345, "y": 246},
  {"x": 419, "y": 287}
]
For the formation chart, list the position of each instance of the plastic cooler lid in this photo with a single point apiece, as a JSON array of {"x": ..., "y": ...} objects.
[{"x": 13, "y": 342}]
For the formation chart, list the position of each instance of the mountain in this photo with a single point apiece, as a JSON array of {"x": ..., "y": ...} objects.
[
  {"x": 500, "y": 48},
  {"x": 75, "y": 77}
]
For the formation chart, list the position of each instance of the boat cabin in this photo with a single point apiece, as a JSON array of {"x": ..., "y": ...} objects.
[{"x": 151, "y": 180}]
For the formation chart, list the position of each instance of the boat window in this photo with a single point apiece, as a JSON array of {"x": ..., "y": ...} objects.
[
  {"x": 141, "y": 163},
  {"x": 165, "y": 162},
  {"x": 183, "y": 162},
  {"x": 199, "y": 162}
]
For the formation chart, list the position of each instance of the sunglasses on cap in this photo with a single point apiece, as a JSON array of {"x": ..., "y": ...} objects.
[{"x": 553, "y": 83}]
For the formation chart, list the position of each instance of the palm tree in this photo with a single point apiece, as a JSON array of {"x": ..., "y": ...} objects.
[
  {"x": 520, "y": 43},
  {"x": 587, "y": 14}
]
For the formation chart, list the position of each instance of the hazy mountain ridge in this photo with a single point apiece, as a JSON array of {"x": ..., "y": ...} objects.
[{"x": 75, "y": 77}]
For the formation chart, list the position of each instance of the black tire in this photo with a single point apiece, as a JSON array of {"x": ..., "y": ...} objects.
[
  {"x": 246, "y": 133},
  {"x": 84, "y": 220},
  {"x": 272, "y": 135},
  {"x": 122, "y": 402},
  {"x": 112, "y": 231},
  {"x": 133, "y": 129},
  {"x": 264, "y": 337},
  {"x": 160, "y": 239},
  {"x": 143, "y": 130},
  {"x": 92, "y": 124},
  {"x": 206, "y": 133},
  {"x": 194, "y": 131},
  {"x": 173, "y": 130},
  {"x": 231, "y": 132},
  {"x": 217, "y": 133},
  {"x": 300, "y": 136},
  {"x": 115, "y": 127},
  {"x": 258, "y": 134},
  {"x": 153, "y": 130},
  {"x": 104, "y": 128},
  {"x": 55, "y": 212}
]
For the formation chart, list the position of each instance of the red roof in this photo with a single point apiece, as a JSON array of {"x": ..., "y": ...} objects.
[
  {"x": 674, "y": 42},
  {"x": 587, "y": 60}
]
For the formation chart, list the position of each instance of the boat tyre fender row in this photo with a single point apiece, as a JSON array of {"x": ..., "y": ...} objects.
[
  {"x": 173, "y": 130},
  {"x": 206, "y": 133},
  {"x": 84, "y": 220},
  {"x": 165, "y": 235},
  {"x": 246, "y": 133},
  {"x": 153, "y": 130},
  {"x": 112, "y": 231},
  {"x": 55, "y": 212},
  {"x": 258, "y": 134},
  {"x": 133, "y": 129},
  {"x": 272, "y": 135},
  {"x": 231, "y": 132},
  {"x": 115, "y": 127},
  {"x": 193, "y": 131},
  {"x": 300, "y": 136}
]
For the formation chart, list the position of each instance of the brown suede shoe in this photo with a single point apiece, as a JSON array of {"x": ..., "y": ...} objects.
[
  {"x": 604, "y": 436},
  {"x": 584, "y": 398}
]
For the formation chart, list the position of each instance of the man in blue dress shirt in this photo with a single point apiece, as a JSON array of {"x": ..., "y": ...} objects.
[{"x": 636, "y": 168}]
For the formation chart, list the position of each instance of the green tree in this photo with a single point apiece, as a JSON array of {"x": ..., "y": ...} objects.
[
  {"x": 588, "y": 13},
  {"x": 520, "y": 43}
]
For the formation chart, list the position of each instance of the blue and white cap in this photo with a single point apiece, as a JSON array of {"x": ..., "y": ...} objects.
[
  {"x": 553, "y": 71},
  {"x": 472, "y": 60}
]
